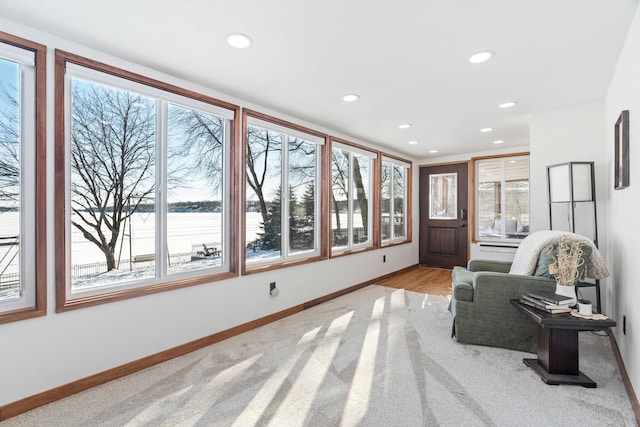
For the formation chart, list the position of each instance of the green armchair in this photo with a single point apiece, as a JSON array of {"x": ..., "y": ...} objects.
[
  {"x": 481, "y": 310},
  {"x": 481, "y": 292}
]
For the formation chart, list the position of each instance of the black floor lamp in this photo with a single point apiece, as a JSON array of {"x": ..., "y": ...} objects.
[{"x": 571, "y": 196}]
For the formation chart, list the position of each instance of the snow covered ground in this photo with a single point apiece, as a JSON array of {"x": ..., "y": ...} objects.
[{"x": 186, "y": 233}]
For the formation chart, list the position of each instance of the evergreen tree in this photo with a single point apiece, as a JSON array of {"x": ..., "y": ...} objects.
[
  {"x": 304, "y": 220},
  {"x": 309, "y": 204},
  {"x": 301, "y": 221},
  {"x": 270, "y": 238},
  {"x": 296, "y": 221}
]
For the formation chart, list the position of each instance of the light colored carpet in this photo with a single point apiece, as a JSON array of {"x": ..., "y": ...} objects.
[{"x": 375, "y": 357}]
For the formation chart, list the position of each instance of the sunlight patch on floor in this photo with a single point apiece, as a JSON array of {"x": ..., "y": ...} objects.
[
  {"x": 396, "y": 339},
  {"x": 155, "y": 411},
  {"x": 261, "y": 401},
  {"x": 296, "y": 405},
  {"x": 360, "y": 389},
  {"x": 424, "y": 301}
]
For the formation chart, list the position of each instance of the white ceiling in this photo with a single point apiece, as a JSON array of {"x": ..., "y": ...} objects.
[{"x": 407, "y": 59}]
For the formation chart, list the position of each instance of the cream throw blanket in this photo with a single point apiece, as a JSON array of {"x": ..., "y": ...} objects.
[{"x": 526, "y": 257}]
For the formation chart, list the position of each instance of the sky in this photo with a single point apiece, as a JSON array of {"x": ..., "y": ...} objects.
[{"x": 8, "y": 72}]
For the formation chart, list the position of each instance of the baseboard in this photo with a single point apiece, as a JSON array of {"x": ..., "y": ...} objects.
[
  {"x": 345, "y": 291},
  {"x": 15, "y": 408},
  {"x": 625, "y": 377}
]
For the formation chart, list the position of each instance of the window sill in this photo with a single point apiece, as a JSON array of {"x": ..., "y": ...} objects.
[
  {"x": 21, "y": 314},
  {"x": 63, "y": 304},
  {"x": 395, "y": 243},
  {"x": 282, "y": 264}
]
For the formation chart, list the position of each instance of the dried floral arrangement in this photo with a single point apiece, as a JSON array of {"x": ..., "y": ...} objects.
[{"x": 566, "y": 261}]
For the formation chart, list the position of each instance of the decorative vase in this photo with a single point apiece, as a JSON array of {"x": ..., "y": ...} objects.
[{"x": 567, "y": 291}]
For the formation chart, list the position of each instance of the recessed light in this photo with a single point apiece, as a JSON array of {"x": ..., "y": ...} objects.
[
  {"x": 508, "y": 104},
  {"x": 485, "y": 130},
  {"x": 404, "y": 125},
  {"x": 433, "y": 151},
  {"x": 498, "y": 141},
  {"x": 413, "y": 142},
  {"x": 481, "y": 57},
  {"x": 239, "y": 40},
  {"x": 352, "y": 97}
]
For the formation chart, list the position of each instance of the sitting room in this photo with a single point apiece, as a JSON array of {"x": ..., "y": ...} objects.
[{"x": 286, "y": 213}]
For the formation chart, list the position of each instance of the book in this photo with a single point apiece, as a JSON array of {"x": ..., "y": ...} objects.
[
  {"x": 551, "y": 297},
  {"x": 547, "y": 310},
  {"x": 542, "y": 305}
]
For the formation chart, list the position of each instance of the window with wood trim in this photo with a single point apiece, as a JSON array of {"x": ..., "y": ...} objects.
[
  {"x": 501, "y": 198},
  {"x": 144, "y": 185},
  {"x": 22, "y": 179},
  {"x": 395, "y": 184},
  {"x": 352, "y": 172},
  {"x": 282, "y": 193}
]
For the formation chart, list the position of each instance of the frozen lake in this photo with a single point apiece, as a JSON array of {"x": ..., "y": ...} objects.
[{"x": 186, "y": 232}]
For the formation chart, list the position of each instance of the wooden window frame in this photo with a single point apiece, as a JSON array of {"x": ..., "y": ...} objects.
[
  {"x": 63, "y": 303},
  {"x": 471, "y": 218},
  {"x": 374, "y": 198},
  {"x": 39, "y": 308},
  {"x": 324, "y": 172},
  {"x": 408, "y": 202}
]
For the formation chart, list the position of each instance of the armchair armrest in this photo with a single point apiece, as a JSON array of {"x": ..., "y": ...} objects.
[
  {"x": 497, "y": 288},
  {"x": 489, "y": 265}
]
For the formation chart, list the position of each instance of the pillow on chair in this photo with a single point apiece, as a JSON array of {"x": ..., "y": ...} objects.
[{"x": 550, "y": 252}]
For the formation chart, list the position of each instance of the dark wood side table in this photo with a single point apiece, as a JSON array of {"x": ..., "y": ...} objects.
[{"x": 557, "y": 336}]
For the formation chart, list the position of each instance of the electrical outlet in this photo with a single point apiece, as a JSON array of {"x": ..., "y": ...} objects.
[
  {"x": 273, "y": 291},
  {"x": 384, "y": 258},
  {"x": 624, "y": 325}
]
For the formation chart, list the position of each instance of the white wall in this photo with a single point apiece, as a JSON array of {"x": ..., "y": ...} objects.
[
  {"x": 42, "y": 353},
  {"x": 575, "y": 133},
  {"x": 624, "y": 205}
]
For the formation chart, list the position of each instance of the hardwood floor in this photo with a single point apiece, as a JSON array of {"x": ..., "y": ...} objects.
[{"x": 427, "y": 280}]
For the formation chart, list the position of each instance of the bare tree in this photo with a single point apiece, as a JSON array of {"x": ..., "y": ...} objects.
[
  {"x": 264, "y": 160},
  {"x": 341, "y": 173},
  {"x": 9, "y": 144},
  {"x": 112, "y": 161},
  {"x": 361, "y": 195},
  {"x": 261, "y": 144},
  {"x": 200, "y": 148}
]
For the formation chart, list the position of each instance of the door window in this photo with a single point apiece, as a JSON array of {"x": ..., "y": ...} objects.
[{"x": 443, "y": 191}]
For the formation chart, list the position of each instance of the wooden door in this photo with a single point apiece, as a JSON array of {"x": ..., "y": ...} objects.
[{"x": 444, "y": 240}]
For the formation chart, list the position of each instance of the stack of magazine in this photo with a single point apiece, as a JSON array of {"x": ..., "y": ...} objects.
[{"x": 548, "y": 301}]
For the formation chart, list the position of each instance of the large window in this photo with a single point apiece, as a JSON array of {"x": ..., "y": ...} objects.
[
  {"x": 22, "y": 211},
  {"x": 395, "y": 197},
  {"x": 502, "y": 198},
  {"x": 351, "y": 197},
  {"x": 282, "y": 206},
  {"x": 146, "y": 198}
]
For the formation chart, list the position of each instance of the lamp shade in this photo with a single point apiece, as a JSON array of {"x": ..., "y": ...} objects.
[
  {"x": 570, "y": 182},
  {"x": 582, "y": 182},
  {"x": 559, "y": 188}
]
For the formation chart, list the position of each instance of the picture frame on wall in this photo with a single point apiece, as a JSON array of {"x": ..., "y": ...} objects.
[{"x": 621, "y": 174}]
